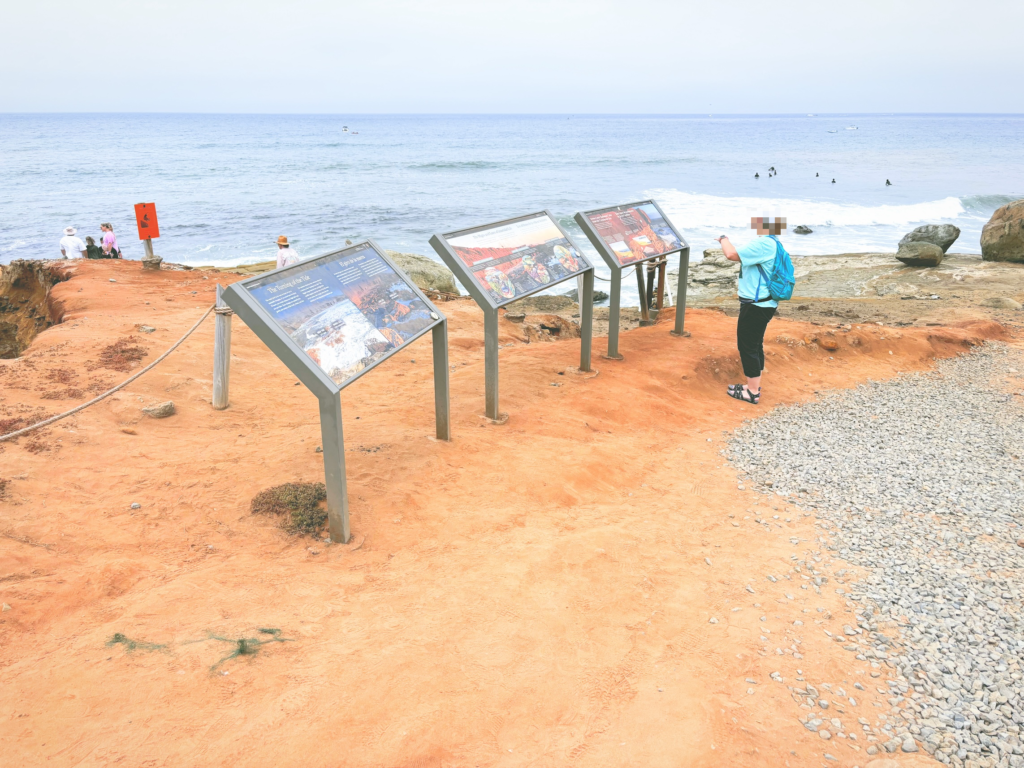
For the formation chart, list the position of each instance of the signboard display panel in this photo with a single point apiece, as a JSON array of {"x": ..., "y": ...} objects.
[
  {"x": 511, "y": 259},
  {"x": 634, "y": 232},
  {"x": 145, "y": 219},
  {"x": 347, "y": 311}
]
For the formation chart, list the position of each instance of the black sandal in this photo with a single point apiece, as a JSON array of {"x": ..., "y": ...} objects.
[
  {"x": 745, "y": 395},
  {"x": 736, "y": 387}
]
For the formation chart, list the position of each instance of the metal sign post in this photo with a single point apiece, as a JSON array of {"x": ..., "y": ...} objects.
[
  {"x": 508, "y": 260},
  {"x": 331, "y": 319},
  {"x": 628, "y": 236}
]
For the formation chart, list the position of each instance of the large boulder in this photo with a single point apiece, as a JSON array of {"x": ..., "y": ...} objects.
[
  {"x": 942, "y": 235},
  {"x": 919, "y": 254},
  {"x": 1002, "y": 239},
  {"x": 428, "y": 274}
]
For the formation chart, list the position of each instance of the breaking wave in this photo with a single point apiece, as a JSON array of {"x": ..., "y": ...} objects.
[{"x": 714, "y": 211}]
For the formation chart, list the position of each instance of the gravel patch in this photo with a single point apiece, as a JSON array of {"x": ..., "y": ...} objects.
[{"x": 919, "y": 482}]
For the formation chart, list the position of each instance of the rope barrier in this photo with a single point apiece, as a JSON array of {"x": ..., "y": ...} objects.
[{"x": 122, "y": 385}]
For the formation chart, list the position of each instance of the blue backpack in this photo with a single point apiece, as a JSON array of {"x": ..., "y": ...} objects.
[{"x": 782, "y": 279}]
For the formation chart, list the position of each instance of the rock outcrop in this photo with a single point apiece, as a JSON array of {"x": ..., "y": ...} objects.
[
  {"x": 713, "y": 270},
  {"x": 1002, "y": 239},
  {"x": 26, "y": 307},
  {"x": 802, "y": 230},
  {"x": 920, "y": 254},
  {"x": 942, "y": 235},
  {"x": 428, "y": 274}
]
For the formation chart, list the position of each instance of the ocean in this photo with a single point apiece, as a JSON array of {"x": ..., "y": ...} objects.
[{"x": 225, "y": 186}]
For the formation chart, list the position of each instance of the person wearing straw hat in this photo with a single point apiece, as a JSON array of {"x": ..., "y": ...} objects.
[
  {"x": 285, "y": 255},
  {"x": 71, "y": 247}
]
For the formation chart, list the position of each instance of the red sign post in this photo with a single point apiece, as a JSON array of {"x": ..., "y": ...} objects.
[{"x": 145, "y": 218}]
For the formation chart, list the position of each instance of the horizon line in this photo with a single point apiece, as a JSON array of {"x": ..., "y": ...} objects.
[{"x": 525, "y": 114}]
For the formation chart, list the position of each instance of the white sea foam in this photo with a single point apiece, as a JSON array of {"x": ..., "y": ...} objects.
[
  {"x": 712, "y": 211},
  {"x": 837, "y": 227}
]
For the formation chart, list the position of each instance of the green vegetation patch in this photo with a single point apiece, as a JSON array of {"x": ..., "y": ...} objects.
[
  {"x": 133, "y": 645},
  {"x": 301, "y": 504},
  {"x": 249, "y": 646}
]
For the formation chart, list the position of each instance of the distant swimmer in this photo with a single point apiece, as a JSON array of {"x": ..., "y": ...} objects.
[
  {"x": 833, "y": 181},
  {"x": 888, "y": 183},
  {"x": 772, "y": 169},
  {"x": 285, "y": 255},
  {"x": 815, "y": 175},
  {"x": 757, "y": 175}
]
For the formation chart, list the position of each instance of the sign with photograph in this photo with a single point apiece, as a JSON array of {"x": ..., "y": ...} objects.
[
  {"x": 347, "y": 310},
  {"x": 511, "y": 259},
  {"x": 634, "y": 232}
]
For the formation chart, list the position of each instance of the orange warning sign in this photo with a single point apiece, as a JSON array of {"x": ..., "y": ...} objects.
[{"x": 145, "y": 217}]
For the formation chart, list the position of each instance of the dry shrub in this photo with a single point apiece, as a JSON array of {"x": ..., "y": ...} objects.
[
  {"x": 63, "y": 394},
  {"x": 122, "y": 355},
  {"x": 62, "y": 376},
  {"x": 299, "y": 503}
]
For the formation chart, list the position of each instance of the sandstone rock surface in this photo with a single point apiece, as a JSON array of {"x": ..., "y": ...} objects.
[
  {"x": 942, "y": 235},
  {"x": 1001, "y": 302},
  {"x": 920, "y": 254},
  {"x": 1002, "y": 239},
  {"x": 428, "y": 274}
]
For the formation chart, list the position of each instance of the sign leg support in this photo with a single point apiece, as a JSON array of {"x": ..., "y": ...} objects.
[
  {"x": 221, "y": 354},
  {"x": 441, "y": 393},
  {"x": 613, "y": 315},
  {"x": 491, "y": 363},
  {"x": 684, "y": 271},
  {"x": 334, "y": 468},
  {"x": 645, "y": 314},
  {"x": 586, "y": 297}
]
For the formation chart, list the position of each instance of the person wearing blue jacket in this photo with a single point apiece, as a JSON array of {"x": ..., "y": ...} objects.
[{"x": 757, "y": 307}]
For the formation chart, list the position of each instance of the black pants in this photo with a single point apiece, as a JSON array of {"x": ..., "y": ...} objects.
[{"x": 750, "y": 337}]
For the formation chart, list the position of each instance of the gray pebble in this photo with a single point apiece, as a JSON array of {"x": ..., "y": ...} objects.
[{"x": 919, "y": 482}]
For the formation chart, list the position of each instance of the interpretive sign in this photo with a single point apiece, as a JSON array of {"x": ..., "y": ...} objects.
[
  {"x": 635, "y": 232},
  {"x": 331, "y": 319},
  {"x": 501, "y": 262},
  {"x": 512, "y": 259},
  {"x": 145, "y": 219},
  {"x": 347, "y": 311},
  {"x": 627, "y": 236}
]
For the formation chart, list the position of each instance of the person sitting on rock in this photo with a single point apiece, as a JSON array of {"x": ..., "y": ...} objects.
[
  {"x": 888, "y": 183},
  {"x": 93, "y": 251},
  {"x": 757, "y": 175},
  {"x": 285, "y": 255},
  {"x": 757, "y": 307}
]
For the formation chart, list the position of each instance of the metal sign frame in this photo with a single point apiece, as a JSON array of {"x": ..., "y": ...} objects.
[
  {"x": 583, "y": 220},
  {"x": 328, "y": 392},
  {"x": 490, "y": 307}
]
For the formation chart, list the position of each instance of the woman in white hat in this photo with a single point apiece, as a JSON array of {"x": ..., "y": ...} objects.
[{"x": 71, "y": 247}]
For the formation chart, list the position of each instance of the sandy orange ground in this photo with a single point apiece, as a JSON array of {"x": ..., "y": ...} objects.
[{"x": 529, "y": 594}]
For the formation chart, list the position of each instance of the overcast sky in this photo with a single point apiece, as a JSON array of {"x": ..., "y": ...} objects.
[{"x": 564, "y": 56}]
